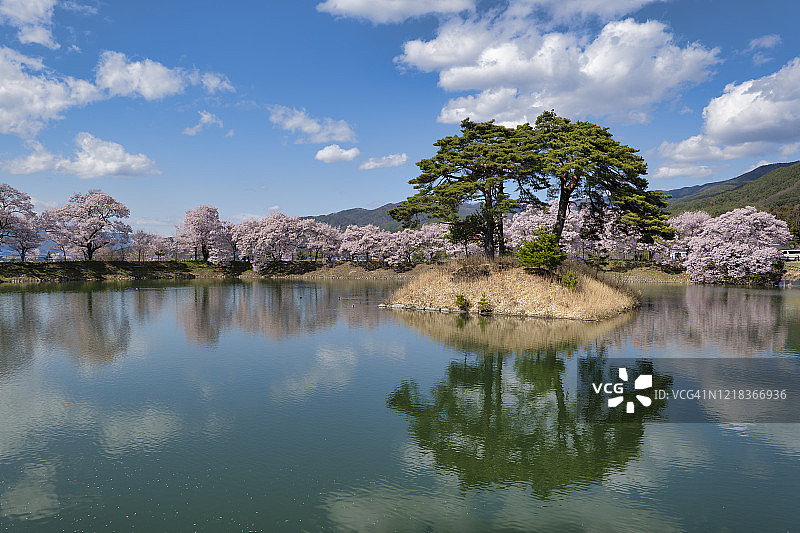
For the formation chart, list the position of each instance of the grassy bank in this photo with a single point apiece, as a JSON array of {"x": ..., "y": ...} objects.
[
  {"x": 115, "y": 270},
  {"x": 479, "y": 285}
]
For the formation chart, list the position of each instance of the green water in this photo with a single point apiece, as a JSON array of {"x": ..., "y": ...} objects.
[{"x": 304, "y": 407}]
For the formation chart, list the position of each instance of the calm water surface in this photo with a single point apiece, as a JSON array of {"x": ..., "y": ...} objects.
[{"x": 210, "y": 406}]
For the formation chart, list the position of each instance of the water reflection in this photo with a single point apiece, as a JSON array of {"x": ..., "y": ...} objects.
[
  {"x": 492, "y": 422},
  {"x": 734, "y": 322},
  {"x": 20, "y": 325},
  {"x": 97, "y": 322}
]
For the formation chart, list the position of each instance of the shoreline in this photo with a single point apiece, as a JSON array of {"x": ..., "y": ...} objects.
[{"x": 100, "y": 270}]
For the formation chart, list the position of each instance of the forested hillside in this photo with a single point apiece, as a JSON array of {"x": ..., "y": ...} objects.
[
  {"x": 770, "y": 188},
  {"x": 378, "y": 217}
]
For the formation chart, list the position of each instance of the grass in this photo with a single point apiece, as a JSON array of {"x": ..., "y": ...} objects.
[
  {"x": 111, "y": 270},
  {"x": 511, "y": 290}
]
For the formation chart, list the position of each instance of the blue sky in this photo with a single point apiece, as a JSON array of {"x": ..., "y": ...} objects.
[{"x": 310, "y": 107}]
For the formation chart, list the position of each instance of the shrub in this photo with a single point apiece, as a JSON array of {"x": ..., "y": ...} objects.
[
  {"x": 570, "y": 280},
  {"x": 483, "y": 305},
  {"x": 542, "y": 251},
  {"x": 462, "y": 303}
]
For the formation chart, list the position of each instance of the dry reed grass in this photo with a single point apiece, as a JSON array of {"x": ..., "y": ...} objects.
[{"x": 511, "y": 290}]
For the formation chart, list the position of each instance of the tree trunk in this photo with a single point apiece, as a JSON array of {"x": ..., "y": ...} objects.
[
  {"x": 561, "y": 217},
  {"x": 488, "y": 233}
]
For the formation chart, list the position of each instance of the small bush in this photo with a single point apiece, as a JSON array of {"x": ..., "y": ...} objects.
[
  {"x": 483, "y": 305},
  {"x": 570, "y": 280},
  {"x": 462, "y": 303},
  {"x": 542, "y": 251}
]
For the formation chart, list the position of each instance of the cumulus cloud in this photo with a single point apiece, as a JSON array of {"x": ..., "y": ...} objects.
[
  {"x": 518, "y": 71},
  {"x": 93, "y": 158},
  {"x": 391, "y": 160},
  {"x": 30, "y": 96},
  {"x": 388, "y": 11},
  {"x": 32, "y": 18},
  {"x": 751, "y": 118},
  {"x": 120, "y": 76},
  {"x": 334, "y": 153},
  {"x": 206, "y": 119},
  {"x": 308, "y": 129},
  {"x": 148, "y": 79}
]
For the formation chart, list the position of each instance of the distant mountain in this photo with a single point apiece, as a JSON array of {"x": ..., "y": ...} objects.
[
  {"x": 767, "y": 187},
  {"x": 361, "y": 217}
]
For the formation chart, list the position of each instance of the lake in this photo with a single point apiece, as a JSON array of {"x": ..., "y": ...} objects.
[{"x": 299, "y": 406}]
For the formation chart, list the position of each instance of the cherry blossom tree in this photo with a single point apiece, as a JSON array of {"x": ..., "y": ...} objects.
[
  {"x": 224, "y": 244},
  {"x": 13, "y": 205},
  {"x": 320, "y": 238},
  {"x": 526, "y": 223},
  {"x": 200, "y": 227},
  {"x": 23, "y": 235},
  {"x": 687, "y": 225},
  {"x": 147, "y": 246},
  {"x": 736, "y": 246},
  {"x": 367, "y": 242},
  {"x": 89, "y": 222}
]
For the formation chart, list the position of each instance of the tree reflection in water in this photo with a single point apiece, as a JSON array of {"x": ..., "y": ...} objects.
[{"x": 505, "y": 414}]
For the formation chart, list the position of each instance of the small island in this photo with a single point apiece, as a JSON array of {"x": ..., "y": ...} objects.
[{"x": 502, "y": 288}]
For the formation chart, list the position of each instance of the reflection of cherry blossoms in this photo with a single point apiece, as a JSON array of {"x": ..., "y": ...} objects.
[{"x": 737, "y": 322}]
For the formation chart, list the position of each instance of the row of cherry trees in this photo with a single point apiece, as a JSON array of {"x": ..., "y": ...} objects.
[{"x": 741, "y": 243}]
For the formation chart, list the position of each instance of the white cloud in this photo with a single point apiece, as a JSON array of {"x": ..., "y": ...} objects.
[
  {"x": 206, "y": 119},
  {"x": 697, "y": 172},
  {"x": 387, "y": 11},
  {"x": 30, "y": 96},
  {"x": 148, "y": 79},
  {"x": 752, "y": 118},
  {"x": 32, "y": 18},
  {"x": 40, "y": 205},
  {"x": 760, "y": 59},
  {"x": 765, "y": 41},
  {"x": 94, "y": 158},
  {"x": 334, "y": 153},
  {"x": 310, "y": 129},
  {"x": 214, "y": 82},
  {"x": 391, "y": 160},
  {"x": 151, "y": 80},
  {"x": 518, "y": 71}
]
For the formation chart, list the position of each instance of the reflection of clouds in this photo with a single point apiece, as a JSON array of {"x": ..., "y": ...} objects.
[
  {"x": 129, "y": 431},
  {"x": 443, "y": 505},
  {"x": 384, "y": 348},
  {"x": 33, "y": 496},
  {"x": 785, "y": 437},
  {"x": 333, "y": 368},
  {"x": 665, "y": 449},
  {"x": 29, "y": 409}
]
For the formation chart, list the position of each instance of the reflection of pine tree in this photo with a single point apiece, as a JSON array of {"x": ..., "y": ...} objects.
[{"x": 490, "y": 426}]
